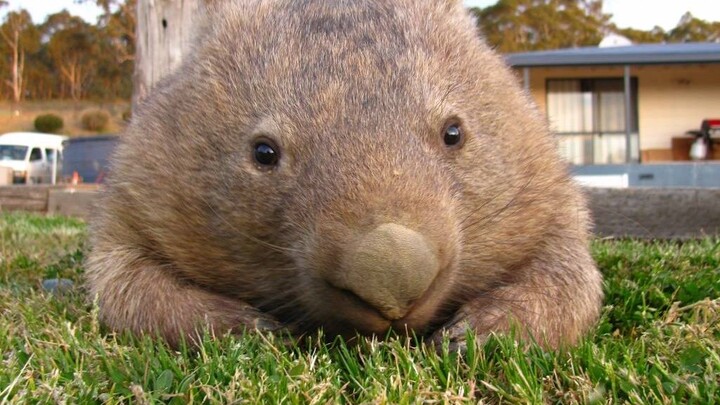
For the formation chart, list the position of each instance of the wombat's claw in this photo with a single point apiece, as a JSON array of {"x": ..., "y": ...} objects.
[
  {"x": 454, "y": 332},
  {"x": 282, "y": 336},
  {"x": 267, "y": 325}
]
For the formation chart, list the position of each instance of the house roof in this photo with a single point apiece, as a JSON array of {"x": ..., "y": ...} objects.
[{"x": 645, "y": 54}]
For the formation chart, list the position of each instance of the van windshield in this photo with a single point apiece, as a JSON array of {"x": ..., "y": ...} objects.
[{"x": 13, "y": 152}]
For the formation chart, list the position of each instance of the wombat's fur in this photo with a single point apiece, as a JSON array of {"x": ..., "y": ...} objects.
[{"x": 369, "y": 221}]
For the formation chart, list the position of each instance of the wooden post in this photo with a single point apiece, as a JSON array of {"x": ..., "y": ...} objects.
[{"x": 164, "y": 29}]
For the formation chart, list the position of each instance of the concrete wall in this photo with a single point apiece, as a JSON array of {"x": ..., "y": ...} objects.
[
  {"x": 671, "y": 99},
  {"x": 655, "y": 213}
]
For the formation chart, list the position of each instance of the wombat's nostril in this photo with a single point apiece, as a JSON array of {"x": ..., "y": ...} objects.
[
  {"x": 388, "y": 268},
  {"x": 355, "y": 298}
]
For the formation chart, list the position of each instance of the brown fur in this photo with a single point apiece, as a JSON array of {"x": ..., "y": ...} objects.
[{"x": 356, "y": 95}]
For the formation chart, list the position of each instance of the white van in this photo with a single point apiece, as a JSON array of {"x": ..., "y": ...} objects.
[{"x": 33, "y": 157}]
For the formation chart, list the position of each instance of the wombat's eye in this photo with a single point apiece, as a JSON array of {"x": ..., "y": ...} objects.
[
  {"x": 266, "y": 154},
  {"x": 453, "y": 135}
]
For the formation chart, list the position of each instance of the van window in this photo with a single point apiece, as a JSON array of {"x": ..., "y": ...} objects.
[
  {"x": 50, "y": 153},
  {"x": 13, "y": 152},
  {"x": 35, "y": 154}
]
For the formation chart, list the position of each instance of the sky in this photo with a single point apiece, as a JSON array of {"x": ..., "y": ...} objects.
[{"x": 639, "y": 14}]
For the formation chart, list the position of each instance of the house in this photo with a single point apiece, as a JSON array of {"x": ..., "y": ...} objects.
[{"x": 624, "y": 104}]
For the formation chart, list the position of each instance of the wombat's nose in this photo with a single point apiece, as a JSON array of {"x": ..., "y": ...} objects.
[{"x": 389, "y": 268}]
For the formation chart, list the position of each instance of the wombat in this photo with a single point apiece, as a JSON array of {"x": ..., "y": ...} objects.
[{"x": 358, "y": 166}]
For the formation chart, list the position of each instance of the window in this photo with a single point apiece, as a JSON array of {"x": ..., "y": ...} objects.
[
  {"x": 35, "y": 154},
  {"x": 588, "y": 115},
  {"x": 13, "y": 152},
  {"x": 50, "y": 153}
]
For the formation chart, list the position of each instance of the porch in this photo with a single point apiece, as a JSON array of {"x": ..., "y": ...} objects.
[{"x": 626, "y": 104}]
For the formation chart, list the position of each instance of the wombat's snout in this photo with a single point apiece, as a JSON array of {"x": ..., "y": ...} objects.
[{"x": 389, "y": 268}]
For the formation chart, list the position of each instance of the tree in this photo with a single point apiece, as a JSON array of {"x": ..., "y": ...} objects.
[
  {"x": 688, "y": 29},
  {"x": 116, "y": 40},
  {"x": 42, "y": 78},
  {"x": 74, "y": 49},
  {"x": 525, "y": 25},
  {"x": 655, "y": 35},
  {"x": 20, "y": 36},
  {"x": 119, "y": 20},
  {"x": 119, "y": 25},
  {"x": 692, "y": 29}
]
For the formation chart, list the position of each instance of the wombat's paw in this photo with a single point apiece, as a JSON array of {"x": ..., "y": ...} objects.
[
  {"x": 265, "y": 323},
  {"x": 469, "y": 320},
  {"x": 454, "y": 333},
  {"x": 240, "y": 317},
  {"x": 281, "y": 334}
]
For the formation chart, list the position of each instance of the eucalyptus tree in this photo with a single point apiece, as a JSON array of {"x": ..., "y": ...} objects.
[
  {"x": 526, "y": 25},
  {"x": 19, "y": 37}
]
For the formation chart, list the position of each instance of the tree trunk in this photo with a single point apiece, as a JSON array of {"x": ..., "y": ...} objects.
[
  {"x": 21, "y": 77},
  {"x": 164, "y": 29},
  {"x": 15, "y": 62},
  {"x": 15, "y": 46}
]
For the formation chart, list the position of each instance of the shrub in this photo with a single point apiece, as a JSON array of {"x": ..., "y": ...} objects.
[
  {"x": 48, "y": 123},
  {"x": 94, "y": 120}
]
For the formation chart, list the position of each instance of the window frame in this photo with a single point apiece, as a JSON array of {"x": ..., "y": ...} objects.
[{"x": 585, "y": 82}]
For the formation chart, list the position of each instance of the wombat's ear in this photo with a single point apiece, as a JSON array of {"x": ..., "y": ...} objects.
[
  {"x": 213, "y": 4},
  {"x": 209, "y": 6},
  {"x": 216, "y": 5},
  {"x": 453, "y": 4}
]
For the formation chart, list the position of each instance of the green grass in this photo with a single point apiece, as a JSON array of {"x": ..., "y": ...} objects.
[{"x": 658, "y": 342}]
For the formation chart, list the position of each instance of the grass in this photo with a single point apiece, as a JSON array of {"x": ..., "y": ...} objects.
[
  {"x": 69, "y": 111},
  {"x": 658, "y": 342}
]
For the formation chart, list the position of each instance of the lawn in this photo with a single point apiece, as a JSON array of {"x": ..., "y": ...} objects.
[
  {"x": 658, "y": 342},
  {"x": 69, "y": 111}
]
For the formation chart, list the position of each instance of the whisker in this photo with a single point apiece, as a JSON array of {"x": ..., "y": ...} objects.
[
  {"x": 485, "y": 219},
  {"x": 510, "y": 187},
  {"x": 277, "y": 248}
]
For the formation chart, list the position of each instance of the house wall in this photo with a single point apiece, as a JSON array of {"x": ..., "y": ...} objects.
[
  {"x": 675, "y": 99},
  {"x": 672, "y": 98}
]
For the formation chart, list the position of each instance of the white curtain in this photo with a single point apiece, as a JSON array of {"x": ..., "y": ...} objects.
[
  {"x": 590, "y": 119},
  {"x": 570, "y": 111}
]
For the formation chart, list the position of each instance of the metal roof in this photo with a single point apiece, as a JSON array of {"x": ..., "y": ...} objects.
[{"x": 645, "y": 54}]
